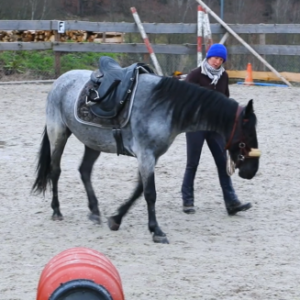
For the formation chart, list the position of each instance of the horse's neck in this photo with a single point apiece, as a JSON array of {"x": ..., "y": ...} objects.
[
  {"x": 220, "y": 121},
  {"x": 205, "y": 126}
]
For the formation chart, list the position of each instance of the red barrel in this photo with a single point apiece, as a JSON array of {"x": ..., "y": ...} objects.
[{"x": 80, "y": 273}]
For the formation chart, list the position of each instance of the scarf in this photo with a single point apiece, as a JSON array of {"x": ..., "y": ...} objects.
[{"x": 211, "y": 72}]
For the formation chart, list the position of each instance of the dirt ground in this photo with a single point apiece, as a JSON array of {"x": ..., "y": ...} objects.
[{"x": 254, "y": 255}]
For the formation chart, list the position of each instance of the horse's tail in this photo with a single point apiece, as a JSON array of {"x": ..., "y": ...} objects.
[{"x": 43, "y": 166}]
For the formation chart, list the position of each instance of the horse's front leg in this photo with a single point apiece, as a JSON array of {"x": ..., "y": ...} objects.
[
  {"x": 146, "y": 167},
  {"x": 114, "y": 222}
]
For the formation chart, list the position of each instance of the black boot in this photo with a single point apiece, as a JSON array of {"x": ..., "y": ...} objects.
[
  {"x": 216, "y": 144},
  {"x": 187, "y": 190},
  {"x": 232, "y": 203},
  {"x": 188, "y": 199}
]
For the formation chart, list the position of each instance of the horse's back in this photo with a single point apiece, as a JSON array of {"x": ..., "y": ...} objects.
[
  {"x": 148, "y": 81},
  {"x": 67, "y": 87},
  {"x": 145, "y": 86},
  {"x": 72, "y": 79}
]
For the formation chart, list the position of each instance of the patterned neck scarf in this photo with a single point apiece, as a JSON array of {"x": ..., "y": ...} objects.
[{"x": 211, "y": 72}]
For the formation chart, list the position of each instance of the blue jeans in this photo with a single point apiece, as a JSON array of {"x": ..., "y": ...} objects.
[{"x": 216, "y": 144}]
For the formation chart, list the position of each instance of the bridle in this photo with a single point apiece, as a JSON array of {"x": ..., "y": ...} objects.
[{"x": 245, "y": 150}]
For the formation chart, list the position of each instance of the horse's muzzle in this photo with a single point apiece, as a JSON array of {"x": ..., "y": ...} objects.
[
  {"x": 254, "y": 152},
  {"x": 248, "y": 165}
]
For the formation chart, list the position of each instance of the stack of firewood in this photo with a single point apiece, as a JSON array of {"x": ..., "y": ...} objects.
[{"x": 49, "y": 36}]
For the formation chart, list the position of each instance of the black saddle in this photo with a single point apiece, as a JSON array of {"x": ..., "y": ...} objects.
[{"x": 113, "y": 86}]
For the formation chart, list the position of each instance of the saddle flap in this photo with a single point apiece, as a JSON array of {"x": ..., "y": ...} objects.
[{"x": 112, "y": 72}]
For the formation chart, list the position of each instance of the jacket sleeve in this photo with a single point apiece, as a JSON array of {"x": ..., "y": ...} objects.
[
  {"x": 227, "y": 92},
  {"x": 193, "y": 76}
]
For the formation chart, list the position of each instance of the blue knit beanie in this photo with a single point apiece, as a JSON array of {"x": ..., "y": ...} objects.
[{"x": 217, "y": 50}]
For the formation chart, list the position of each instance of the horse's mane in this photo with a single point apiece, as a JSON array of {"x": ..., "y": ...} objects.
[{"x": 191, "y": 104}]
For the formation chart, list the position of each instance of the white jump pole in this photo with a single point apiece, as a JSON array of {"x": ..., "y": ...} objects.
[
  {"x": 224, "y": 38},
  {"x": 200, "y": 16},
  {"x": 146, "y": 41},
  {"x": 248, "y": 47},
  {"x": 207, "y": 32}
]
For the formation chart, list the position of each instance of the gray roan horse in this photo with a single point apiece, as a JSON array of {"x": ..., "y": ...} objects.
[{"x": 158, "y": 109}]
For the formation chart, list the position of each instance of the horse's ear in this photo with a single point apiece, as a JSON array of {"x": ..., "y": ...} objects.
[{"x": 249, "y": 109}]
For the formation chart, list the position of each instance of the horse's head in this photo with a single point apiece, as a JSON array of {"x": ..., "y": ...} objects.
[{"x": 242, "y": 143}]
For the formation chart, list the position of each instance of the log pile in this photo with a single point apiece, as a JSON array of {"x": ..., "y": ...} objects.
[{"x": 68, "y": 36}]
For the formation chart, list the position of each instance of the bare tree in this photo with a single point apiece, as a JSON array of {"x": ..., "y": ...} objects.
[
  {"x": 281, "y": 11},
  {"x": 29, "y": 9}
]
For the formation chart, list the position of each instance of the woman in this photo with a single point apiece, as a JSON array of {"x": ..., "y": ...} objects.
[{"x": 211, "y": 75}]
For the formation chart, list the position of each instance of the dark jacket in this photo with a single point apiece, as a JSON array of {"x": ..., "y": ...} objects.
[{"x": 196, "y": 76}]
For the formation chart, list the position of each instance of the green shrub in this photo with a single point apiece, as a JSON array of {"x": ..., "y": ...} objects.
[{"x": 41, "y": 63}]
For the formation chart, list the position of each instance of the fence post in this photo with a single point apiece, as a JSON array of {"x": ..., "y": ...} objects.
[
  {"x": 262, "y": 41},
  {"x": 57, "y": 27},
  {"x": 57, "y": 64}
]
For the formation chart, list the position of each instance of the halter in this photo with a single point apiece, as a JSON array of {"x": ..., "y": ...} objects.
[
  {"x": 237, "y": 114},
  {"x": 245, "y": 151}
]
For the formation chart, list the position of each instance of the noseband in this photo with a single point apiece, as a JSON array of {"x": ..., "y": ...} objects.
[{"x": 245, "y": 151}]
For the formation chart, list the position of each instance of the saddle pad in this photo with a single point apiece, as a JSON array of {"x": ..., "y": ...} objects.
[{"x": 84, "y": 115}]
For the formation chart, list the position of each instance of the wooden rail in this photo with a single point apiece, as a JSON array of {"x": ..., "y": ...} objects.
[
  {"x": 141, "y": 48},
  {"x": 158, "y": 28},
  {"x": 151, "y": 28}
]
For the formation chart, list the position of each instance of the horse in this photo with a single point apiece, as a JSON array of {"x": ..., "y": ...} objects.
[{"x": 160, "y": 109}]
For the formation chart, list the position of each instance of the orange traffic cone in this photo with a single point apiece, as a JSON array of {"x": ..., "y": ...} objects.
[{"x": 249, "y": 79}]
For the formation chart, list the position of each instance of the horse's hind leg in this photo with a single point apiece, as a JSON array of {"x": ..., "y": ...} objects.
[
  {"x": 58, "y": 138},
  {"x": 85, "y": 169},
  {"x": 115, "y": 221}
]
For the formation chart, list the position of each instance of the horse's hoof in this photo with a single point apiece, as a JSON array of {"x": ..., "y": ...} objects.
[
  {"x": 95, "y": 218},
  {"x": 112, "y": 224},
  {"x": 160, "y": 239},
  {"x": 57, "y": 217}
]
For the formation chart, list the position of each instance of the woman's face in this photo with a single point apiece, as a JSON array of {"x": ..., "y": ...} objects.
[{"x": 215, "y": 62}]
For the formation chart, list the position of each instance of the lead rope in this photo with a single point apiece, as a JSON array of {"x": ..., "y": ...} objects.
[{"x": 230, "y": 167}]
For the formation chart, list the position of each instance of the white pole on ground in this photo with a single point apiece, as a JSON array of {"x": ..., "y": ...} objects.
[
  {"x": 146, "y": 41},
  {"x": 243, "y": 42},
  {"x": 200, "y": 15}
]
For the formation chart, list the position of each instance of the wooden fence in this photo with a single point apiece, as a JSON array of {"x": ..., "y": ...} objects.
[{"x": 151, "y": 28}]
